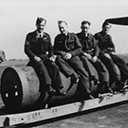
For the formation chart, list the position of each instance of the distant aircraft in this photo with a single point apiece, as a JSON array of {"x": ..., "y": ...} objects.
[{"x": 118, "y": 21}]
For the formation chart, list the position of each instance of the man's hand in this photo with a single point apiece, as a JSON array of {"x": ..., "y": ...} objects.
[
  {"x": 94, "y": 59},
  {"x": 113, "y": 53},
  {"x": 36, "y": 58},
  {"x": 88, "y": 56},
  {"x": 107, "y": 55},
  {"x": 53, "y": 58},
  {"x": 68, "y": 56}
]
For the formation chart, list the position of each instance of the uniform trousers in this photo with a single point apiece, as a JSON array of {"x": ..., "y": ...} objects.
[
  {"x": 99, "y": 66},
  {"x": 121, "y": 65},
  {"x": 110, "y": 65},
  {"x": 48, "y": 72},
  {"x": 68, "y": 67}
]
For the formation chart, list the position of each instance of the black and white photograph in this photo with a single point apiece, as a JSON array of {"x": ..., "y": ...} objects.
[{"x": 63, "y": 64}]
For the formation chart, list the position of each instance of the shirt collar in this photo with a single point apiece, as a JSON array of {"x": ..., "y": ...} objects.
[
  {"x": 104, "y": 34},
  {"x": 39, "y": 34},
  {"x": 85, "y": 35}
]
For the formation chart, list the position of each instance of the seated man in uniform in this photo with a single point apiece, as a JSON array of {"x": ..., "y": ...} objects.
[
  {"x": 108, "y": 56},
  {"x": 39, "y": 49},
  {"x": 90, "y": 54},
  {"x": 67, "y": 48}
]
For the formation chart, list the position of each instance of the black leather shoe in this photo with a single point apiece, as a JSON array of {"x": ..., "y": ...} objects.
[
  {"x": 126, "y": 82},
  {"x": 124, "y": 88},
  {"x": 96, "y": 82},
  {"x": 58, "y": 93},
  {"x": 110, "y": 90},
  {"x": 121, "y": 86},
  {"x": 74, "y": 79},
  {"x": 90, "y": 96},
  {"x": 60, "y": 87},
  {"x": 50, "y": 90}
]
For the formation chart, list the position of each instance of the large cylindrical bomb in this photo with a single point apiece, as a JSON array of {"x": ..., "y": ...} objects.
[{"x": 20, "y": 87}]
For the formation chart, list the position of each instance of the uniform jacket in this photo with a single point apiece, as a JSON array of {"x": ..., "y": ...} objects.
[
  {"x": 35, "y": 46},
  {"x": 105, "y": 42},
  {"x": 89, "y": 44},
  {"x": 69, "y": 43}
]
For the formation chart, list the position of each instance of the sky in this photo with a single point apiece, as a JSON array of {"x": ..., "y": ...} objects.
[{"x": 17, "y": 18}]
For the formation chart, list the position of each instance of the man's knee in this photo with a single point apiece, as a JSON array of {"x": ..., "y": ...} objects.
[
  {"x": 83, "y": 57},
  {"x": 59, "y": 59},
  {"x": 54, "y": 65},
  {"x": 81, "y": 69},
  {"x": 110, "y": 61}
]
